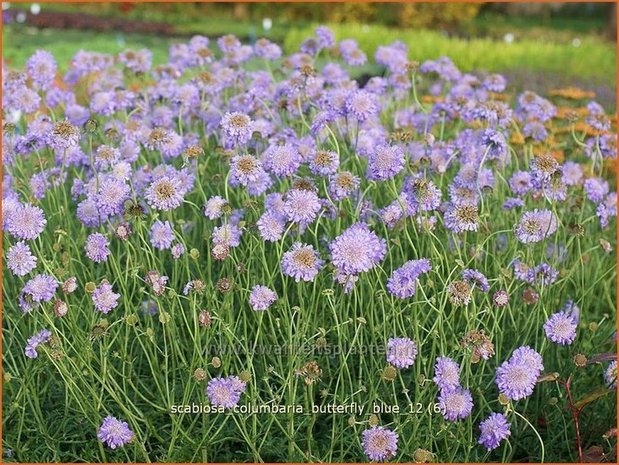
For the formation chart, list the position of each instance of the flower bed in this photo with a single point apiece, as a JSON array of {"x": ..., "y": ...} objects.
[{"x": 243, "y": 256}]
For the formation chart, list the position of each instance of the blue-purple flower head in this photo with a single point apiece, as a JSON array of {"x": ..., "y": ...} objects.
[
  {"x": 282, "y": 160},
  {"x": 380, "y": 443},
  {"x": 516, "y": 377},
  {"x": 104, "y": 298},
  {"x": 35, "y": 341},
  {"x": 561, "y": 326},
  {"x": 97, "y": 247},
  {"x": 361, "y": 106},
  {"x": 385, "y": 162},
  {"x": 401, "y": 352},
  {"x": 460, "y": 217},
  {"x": 19, "y": 259},
  {"x": 357, "y": 249},
  {"x": 301, "y": 262},
  {"x": 302, "y": 206},
  {"x": 477, "y": 279},
  {"x": 261, "y": 297},
  {"x": 41, "y": 288},
  {"x": 324, "y": 162},
  {"x": 610, "y": 375},
  {"x": 237, "y": 129},
  {"x": 403, "y": 281},
  {"x": 225, "y": 392},
  {"x": 536, "y": 225},
  {"x": 42, "y": 67},
  {"x": 493, "y": 430},
  {"x": 26, "y": 222},
  {"x": 161, "y": 235},
  {"x": 165, "y": 193},
  {"x": 115, "y": 433},
  {"x": 455, "y": 403},
  {"x": 271, "y": 226},
  {"x": 446, "y": 373}
]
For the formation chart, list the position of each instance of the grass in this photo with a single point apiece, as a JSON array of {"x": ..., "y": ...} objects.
[
  {"x": 593, "y": 59},
  {"x": 136, "y": 365}
]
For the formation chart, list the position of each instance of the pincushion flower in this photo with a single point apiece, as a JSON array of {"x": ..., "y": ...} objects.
[
  {"x": 261, "y": 297},
  {"x": 225, "y": 392},
  {"x": 301, "y": 262},
  {"x": 357, "y": 249},
  {"x": 403, "y": 281},
  {"x": 536, "y": 225},
  {"x": 401, "y": 352},
  {"x": 493, "y": 430},
  {"x": 115, "y": 433},
  {"x": 19, "y": 259},
  {"x": 380, "y": 443}
]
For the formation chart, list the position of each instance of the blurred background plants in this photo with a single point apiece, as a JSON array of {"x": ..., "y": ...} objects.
[{"x": 561, "y": 42}]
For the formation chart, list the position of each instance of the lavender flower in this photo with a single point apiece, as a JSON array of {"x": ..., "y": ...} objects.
[
  {"x": 401, "y": 352},
  {"x": 561, "y": 327},
  {"x": 33, "y": 342},
  {"x": 455, "y": 403},
  {"x": 357, "y": 249},
  {"x": 97, "y": 247},
  {"x": 237, "y": 129},
  {"x": 446, "y": 373},
  {"x": 536, "y": 225},
  {"x": 282, "y": 160},
  {"x": 516, "y": 378},
  {"x": 271, "y": 226},
  {"x": 301, "y": 262},
  {"x": 385, "y": 162},
  {"x": 115, "y": 433},
  {"x": 461, "y": 217},
  {"x": 476, "y": 278},
  {"x": 165, "y": 193},
  {"x": 493, "y": 430},
  {"x": 610, "y": 375},
  {"x": 214, "y": 207},
  {"x": 26, "y": 222},
  {"x": 301, "y": 206},
  {"x": 225, "y": 392},
  {"x": 104, "y": 298},
  {"x": 380, "y": 443},
  {"x": 161, "y": 235},
  {"x": 403, "y": 281},
  {"x": 19, "y": 259},
  {"x": 261, "y": 297},
  {"x": 41, "y": 288}
]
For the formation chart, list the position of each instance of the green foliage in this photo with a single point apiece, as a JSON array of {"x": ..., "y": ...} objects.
[{"x": 593, "y": 59}]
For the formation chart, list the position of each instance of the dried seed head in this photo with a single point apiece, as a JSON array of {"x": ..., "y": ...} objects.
[
  {"x": 390, "y": 373},
  {"x": 70, "y": 285},
  {"x": 422, "y": 456},
  {"x": 90, "y": 287},
  {"x": 216, "y": 362},
  {"x": 245, "y": 376},
  {"x": 220, "y": 251},
  {"x": 199, "y": 374},
  {"x": 204, "y": 318},
  {"x": 123, "y": 231},
  {"x": 580, "y": 360},
  {"x": 224, "y": 285},
  {"x": 373, "y": 421},
  {"x": 459, "y": 293},
  {"x": 311, "y": 372},
  {"x": 60, "y": 308},
  {"x": 530, "y": 296}
]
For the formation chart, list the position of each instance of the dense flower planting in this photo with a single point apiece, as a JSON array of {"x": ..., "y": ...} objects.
[{"x": 417, "y": 268}]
